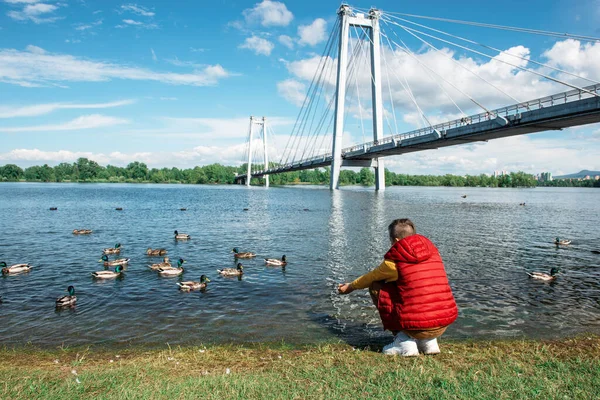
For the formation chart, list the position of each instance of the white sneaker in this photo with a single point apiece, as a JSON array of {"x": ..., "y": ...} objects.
[
  {"x": 428, "y": 346},
  {"x": 403, "y": 345}
]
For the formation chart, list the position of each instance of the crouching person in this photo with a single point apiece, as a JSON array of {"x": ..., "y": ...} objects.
[{"x": 411, "y": 291}]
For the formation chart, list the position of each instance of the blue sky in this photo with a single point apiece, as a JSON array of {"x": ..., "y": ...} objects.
[{"x": 173, "y": 83}]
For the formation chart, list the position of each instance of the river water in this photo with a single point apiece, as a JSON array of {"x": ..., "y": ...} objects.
[{"x": 487, "y": 240}]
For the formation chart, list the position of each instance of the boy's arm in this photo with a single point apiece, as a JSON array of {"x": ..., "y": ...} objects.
[{"x": 386, "y": 271}]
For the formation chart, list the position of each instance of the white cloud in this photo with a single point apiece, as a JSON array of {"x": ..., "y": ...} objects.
[
  {"x": 136, "y": 9},
  {"x": 197, "y": 50},
  {"x": 153, "y": 54},
  {"x": 314, "y": 33},
  {"x": 85, "y": 27},
  {"x": 21, "y": 1},
  {"x": 286, "y": 41},
  {"x": 36, "y": 67},
  {"x": 258, "y": 45},
  {"x": 34, "y": 12},
  {"x": 84, "y": 122},
  {"x": 292, "y": 90},
  {"x": 269, "y": 13},
  {"x": 41, "y": 109}
]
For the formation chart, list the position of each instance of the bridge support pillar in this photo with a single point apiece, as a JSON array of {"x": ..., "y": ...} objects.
[
  {"x": 340, "y": 98},
  {"x": 248, "y": 173},
  {"x": 377, "y": 98}
]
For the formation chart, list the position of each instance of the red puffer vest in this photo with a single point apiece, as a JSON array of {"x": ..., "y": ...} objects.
[{"x": 421, "y": 298}]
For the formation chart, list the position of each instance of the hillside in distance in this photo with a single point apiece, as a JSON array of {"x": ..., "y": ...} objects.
[{"x": 581, "y": 174}]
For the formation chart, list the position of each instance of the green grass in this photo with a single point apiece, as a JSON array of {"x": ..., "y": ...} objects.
[{"x": 567, "y": 368}]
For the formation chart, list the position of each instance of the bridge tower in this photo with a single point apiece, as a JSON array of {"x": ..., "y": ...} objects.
[
  {"x": 371, "y": 23},
  {"x": 261, "y": 123}
]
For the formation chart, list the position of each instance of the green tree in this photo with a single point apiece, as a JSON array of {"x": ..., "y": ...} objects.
[{"x": 11, "y": 172}]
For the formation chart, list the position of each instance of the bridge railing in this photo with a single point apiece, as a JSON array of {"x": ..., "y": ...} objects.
[{"x": 560, "y": 98}]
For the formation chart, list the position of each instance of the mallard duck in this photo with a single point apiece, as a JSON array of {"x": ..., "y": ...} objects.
[
  {"x": 113, "y": 250},
  {"x": 544, "y": 276},
  {"x": 275, "y": 262},
  {"x": 181, "y": 236},
  {"x": 156, "y": 252},
  {"x": 164, "y": 264},
  {"x": 247, "y": 254},
  {"x": 521, "y": 204},
  {"x": 82, "y": 231},
  {"x": 120, "y": 261},
  {"x": 172, "y": 271},
  {"x": 67, "y": 300},
  {"x": 14, "y": 269},
  {"x": 239, "y": 270},
  {"x": 190, "y": 285},
  {"x": 109, "y": 274},
  {"x": 563, "y": 242},
  {"x": 464, "y": 196}
]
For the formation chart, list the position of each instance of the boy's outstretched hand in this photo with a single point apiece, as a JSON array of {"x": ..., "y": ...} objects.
[{"x": 345, "y": 288}]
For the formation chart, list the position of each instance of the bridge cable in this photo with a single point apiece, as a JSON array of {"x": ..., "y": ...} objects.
[
  {"x": 498, "y": 50},
  {"x": 410, "y": 31},
  {"x": 295, "y": 128},
  {"x": 492, "y": 58},
  {"x": 405, "y": 49},
  {"x": 509, "y": 28},
  {"x": 313, "y": 95}
]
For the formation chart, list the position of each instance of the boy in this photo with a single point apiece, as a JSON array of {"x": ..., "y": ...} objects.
[{"x": 411, "y": 291}]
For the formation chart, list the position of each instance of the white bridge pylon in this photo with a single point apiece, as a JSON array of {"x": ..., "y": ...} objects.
[
  {"x": 261, "y": 123},
  {"x": 371, "y": 23}
]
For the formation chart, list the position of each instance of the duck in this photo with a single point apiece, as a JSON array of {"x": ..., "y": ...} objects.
[
  {"x": 172, "y": 271},
  {"x": 164, "y": 264},
  {"x": 109, "y": 274},
  {"x": 113, "y": 250},
  {"x": 464, "y": 196},
  {"x": 275, "y": 262},
  {"x": 14, "y": 269},
  {"x": 595, "y": 251},
  {"x": 239, "y": 270},
  {"x": 544, "y": 276},
  {"x": 190, "y": 285},
  {"x": 563, "y": 242},
  {"x": 521, "y": 204},
  {"x": 156, "y": 252},
  {"x": 82, "y": 231},
  {"x": 67, "y": 300},
  {"x": 181, "y": 236},
  {"x": 247, "y": 254},
  {"x": 120, "y": 261}
]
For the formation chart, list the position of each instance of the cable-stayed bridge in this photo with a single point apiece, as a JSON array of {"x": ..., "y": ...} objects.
[{"x": 357, "y": 37}]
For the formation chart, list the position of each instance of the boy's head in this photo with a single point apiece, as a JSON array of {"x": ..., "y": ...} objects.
[{"x": 401, "y": 228}]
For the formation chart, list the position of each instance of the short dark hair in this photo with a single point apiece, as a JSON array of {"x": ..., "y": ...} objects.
[{"x": 401, "y": 228}]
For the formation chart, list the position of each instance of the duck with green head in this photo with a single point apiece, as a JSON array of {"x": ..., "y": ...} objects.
[
  {"x": 191, "y": 285},
  {"x": 68, "y": 300},
  {"x": 109, "y": 274},
  {"x": 14, "y": 269},
  {"x": 172, "y": 271},
  {"x": 544, "y": 276},
  {"x": 107, "y": 263},
  {"x": 113, "y": 250},
  {"x": 238, "y": 254},
  {"x": 181, "y": 236},
  {"x": 563, "y": 242},
  {"x": 239, "y": 270},
  {"x": 275, "y": 262}
]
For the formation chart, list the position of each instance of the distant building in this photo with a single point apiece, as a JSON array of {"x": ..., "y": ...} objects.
[
  {"x": 545, "y": 177},
  {"x": 597, "y": 177},
  {"x": 498, "y": 174},
  {"x": 587, "y": 177}
]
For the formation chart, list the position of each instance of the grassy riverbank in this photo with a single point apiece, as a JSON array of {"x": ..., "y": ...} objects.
[{"x": 568, "y": 368}]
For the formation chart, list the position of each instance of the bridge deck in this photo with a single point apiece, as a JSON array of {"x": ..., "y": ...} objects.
[{"x": 555, "y": 112}]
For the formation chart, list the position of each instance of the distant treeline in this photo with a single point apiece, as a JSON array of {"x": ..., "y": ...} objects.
[{"x": 84, "y": 170}]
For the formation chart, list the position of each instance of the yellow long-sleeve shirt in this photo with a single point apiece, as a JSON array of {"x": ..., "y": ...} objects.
[{"x": 386, "y": 271}]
